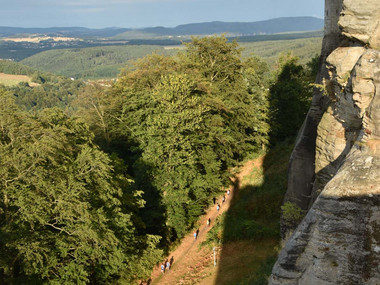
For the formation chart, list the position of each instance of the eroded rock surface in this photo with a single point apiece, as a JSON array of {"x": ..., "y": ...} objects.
[
  {"x": 334, "y": 173},
  {"x": 359, "y": 20}
]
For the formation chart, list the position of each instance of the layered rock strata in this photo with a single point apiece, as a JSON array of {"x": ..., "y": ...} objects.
[{"x": 334, "y": 173}]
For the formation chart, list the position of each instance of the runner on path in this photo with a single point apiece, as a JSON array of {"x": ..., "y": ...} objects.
[
  {"x": 217, "y": 207},
  {"x": 162, "y": 268}
]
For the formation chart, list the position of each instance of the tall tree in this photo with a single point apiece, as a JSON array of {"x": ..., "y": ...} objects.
[
  {"x": 66, "y": 215},
  {"x": 184, "y": 169},
  {"x": 290, "y": 97},
  {"x": 235, "y": 104},
  {"x": 191, "y": 117}
]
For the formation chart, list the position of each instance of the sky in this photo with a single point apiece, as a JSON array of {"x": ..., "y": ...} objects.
[{"x": 148, "y": 13}]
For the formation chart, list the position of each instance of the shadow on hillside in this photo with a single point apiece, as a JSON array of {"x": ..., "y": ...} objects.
[
  {"x": 154, "y": 212},
  {"x": 251, "y": 230},
  {"x": 153, "y": 215}
]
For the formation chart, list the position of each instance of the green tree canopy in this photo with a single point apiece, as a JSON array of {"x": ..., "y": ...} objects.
[
  {"x": 66, "y": 215},
  {"x": 190, "y": 118},
  {"x": 290, "y": 97}
]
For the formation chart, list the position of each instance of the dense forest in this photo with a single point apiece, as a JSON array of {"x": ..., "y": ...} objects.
[
  {"x": 98, "y": 182},
  {"x": 107, "y": 61},
  {"x": 93, "y": 62}
]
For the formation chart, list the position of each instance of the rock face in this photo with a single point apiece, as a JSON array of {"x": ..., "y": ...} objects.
[{"x": 334, "y": 172}]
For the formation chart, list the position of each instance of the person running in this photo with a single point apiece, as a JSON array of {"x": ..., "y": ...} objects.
[
  {"x": 167, "y": 265},
  {"x": 162, "y": 268},
  {"x": 195, "y": 235},
  {"x": 208, "y": 222},
  {"x": 217, "y": 207},
  {"x": 214, "y": 200},
  {"x": 228, "y": 192},
  {"x": 223, "y": 199}
]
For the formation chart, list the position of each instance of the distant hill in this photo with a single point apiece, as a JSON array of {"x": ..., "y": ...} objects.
[
  {"x": 106, "y": 61},
  {"x": 273, "y": 26},
  {"x": 78, "y": 32}
]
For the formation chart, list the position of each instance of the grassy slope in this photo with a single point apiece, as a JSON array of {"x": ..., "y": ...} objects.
[
  {"x": 249, "y": 231},
  {"x": 11, "y": 80}
]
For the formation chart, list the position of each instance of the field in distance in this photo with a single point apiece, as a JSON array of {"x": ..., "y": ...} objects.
[{"x": 11, "y": 80}]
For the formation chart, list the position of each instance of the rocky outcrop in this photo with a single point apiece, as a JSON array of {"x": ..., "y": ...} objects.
[
  {"x": 359, "y": 21},
  {"x": 334, "y": 173},
  {"x": 301, "y": 167}
]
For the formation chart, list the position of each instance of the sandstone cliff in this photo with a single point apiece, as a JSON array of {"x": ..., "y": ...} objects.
[{"x": 334, "y": 173}]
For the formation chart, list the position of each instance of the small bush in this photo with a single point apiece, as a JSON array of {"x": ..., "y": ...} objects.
[{"x": 291, "y": 214}]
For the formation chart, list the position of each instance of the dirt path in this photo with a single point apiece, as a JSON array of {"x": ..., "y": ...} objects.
[{"x": 189, "y": 260}]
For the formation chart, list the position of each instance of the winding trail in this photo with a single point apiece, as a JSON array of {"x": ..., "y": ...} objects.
[{"x": 189, "y": 260}]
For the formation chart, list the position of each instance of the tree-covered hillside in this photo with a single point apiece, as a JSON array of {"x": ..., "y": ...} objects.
[
  {"x": 106, "y": 62},
  {"x": 67, "y": 211},
  {"x": 277, "y": 25},
  {"x": 272, "y": 26},
  {"x": 270, "y": 51},
  {"x": 11, "y": 67},
  {"x": 97, "y": 182},
  {"x": 46, "y": 91},
  {"x": 188, "y": 119},
  {"x": 96, "y": 62}
]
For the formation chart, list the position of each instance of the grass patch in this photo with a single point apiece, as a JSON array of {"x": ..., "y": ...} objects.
[
  {"x": 260, "y": 277},
  {"x": 246, "y": 262},
  {"x": 253, "y": 219},
  {"x": 13, "y": 80},
  {"x": 255, "y": 209}
]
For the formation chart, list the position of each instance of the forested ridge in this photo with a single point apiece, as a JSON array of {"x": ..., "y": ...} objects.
[
  {"x": 107, "y": 61},
  {"x": 97, "y": 182},
  {"x": 93, "y": 62}
]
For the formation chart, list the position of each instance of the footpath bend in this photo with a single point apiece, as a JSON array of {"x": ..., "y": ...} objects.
[{"x": 189, "y": 261}]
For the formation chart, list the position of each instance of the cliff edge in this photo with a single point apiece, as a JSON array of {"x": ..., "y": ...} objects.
[{"x": 334, "y": 171}]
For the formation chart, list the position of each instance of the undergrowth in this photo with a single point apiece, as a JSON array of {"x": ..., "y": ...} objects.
[
  {"x": 260, "y": 277},
  {"x": 254, "y": 213},
  {"x": 255, "y": 209}
]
